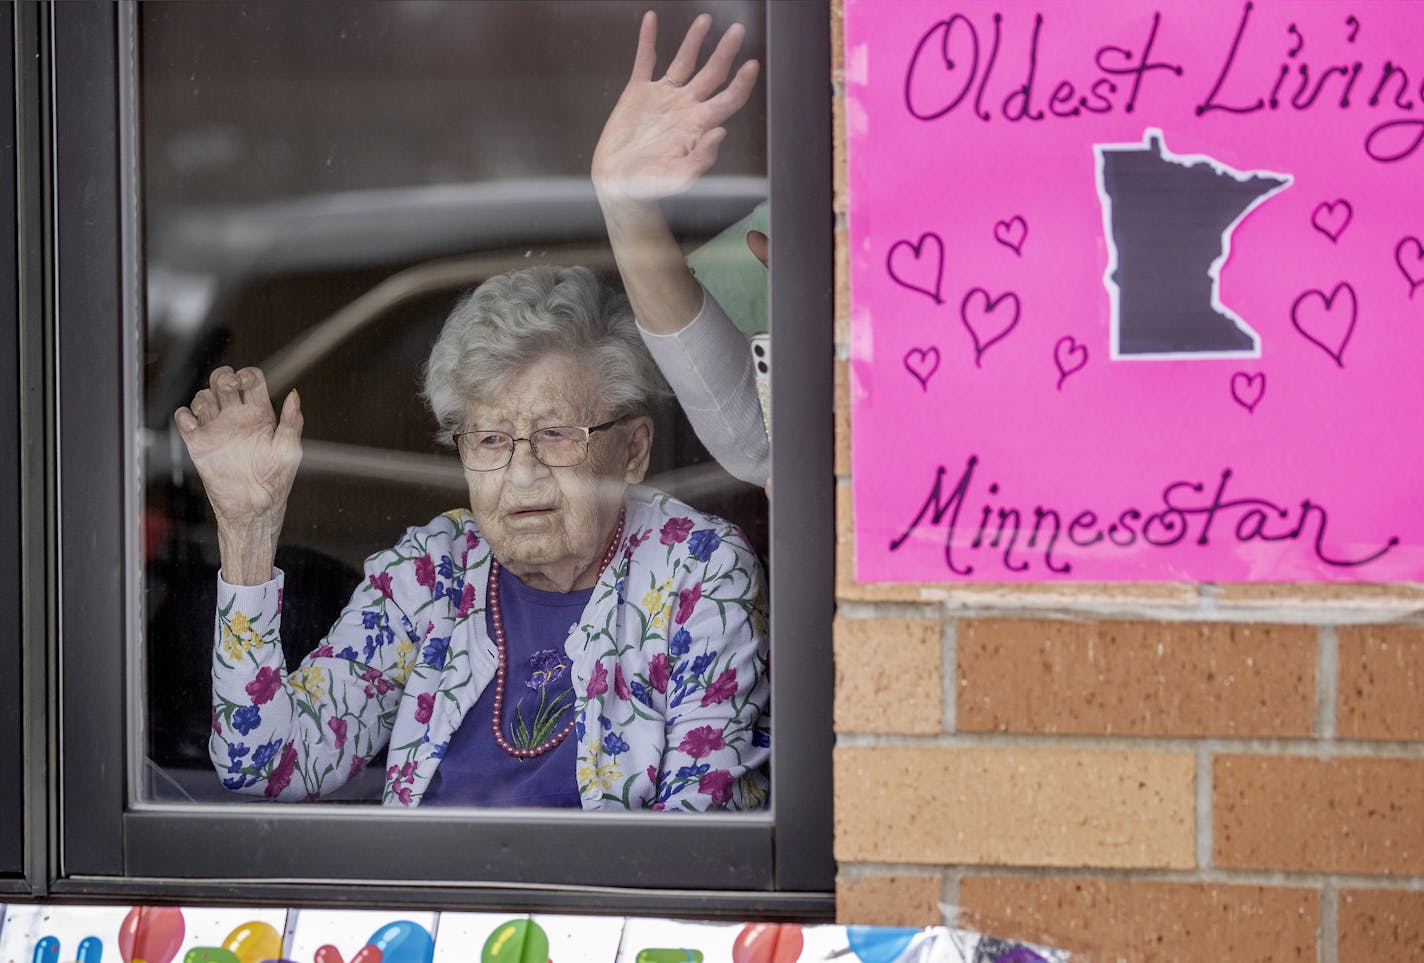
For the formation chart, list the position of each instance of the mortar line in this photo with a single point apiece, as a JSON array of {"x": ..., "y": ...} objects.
[
  {"x": 949, "y": 905},
  {"x": 949, "y": 676},
  {"x": 1294, "y": 746},
  {"x": 1327, "y": 687},
  {"x": 1275, "y": 879},
  {"x": 859, "y": 870},
  {"x": 1204, "y": 810},
  {"x": 871, "y": 611},
  {"x": 1328, "y": 948}
]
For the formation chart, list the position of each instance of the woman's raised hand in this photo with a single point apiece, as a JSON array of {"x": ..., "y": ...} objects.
[
  {"x": 663, "y": 134},
  {"x": 247, "y": 459}
]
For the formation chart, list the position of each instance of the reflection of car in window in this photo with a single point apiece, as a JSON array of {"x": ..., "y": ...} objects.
[{"x": 341, "y": 297}]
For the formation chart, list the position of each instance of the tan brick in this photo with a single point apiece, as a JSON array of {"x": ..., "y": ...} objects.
[
  {"x": 1014, "y": 807},
  {"x": 1303, "y": 814},
  {"x": 847, "y": 588},
  {"x": 839, "y": 156},
  {"x": 889, "y": 901},
  {"x": 1136, "y": 678},
  {"x": 1147, "y": 922},
  {"x": 888, "y": 675},
  {"x": 1381, "y": 925},
  {"x": 842, "y": 396},
  {"x": 1381, "y": 682},
  {"x": 837, "y": 40},
  {"x": 840, "y": 330},
  {"x": 1406, "y": 595}
]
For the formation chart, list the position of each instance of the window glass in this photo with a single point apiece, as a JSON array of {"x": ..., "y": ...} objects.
[{"x": 320, "y": 183}]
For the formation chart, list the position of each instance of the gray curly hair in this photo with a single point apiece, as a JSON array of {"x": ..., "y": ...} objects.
[{"x": 512, "y": 320}]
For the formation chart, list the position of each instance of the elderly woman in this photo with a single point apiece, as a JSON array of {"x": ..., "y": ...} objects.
[{"x": 570, "y": 639}]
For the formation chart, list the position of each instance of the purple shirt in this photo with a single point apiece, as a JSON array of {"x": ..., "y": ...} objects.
[{"x": 475, "y": 771}]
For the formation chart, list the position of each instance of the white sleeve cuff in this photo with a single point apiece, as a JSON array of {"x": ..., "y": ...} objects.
[{"x": 709, "y": 365}]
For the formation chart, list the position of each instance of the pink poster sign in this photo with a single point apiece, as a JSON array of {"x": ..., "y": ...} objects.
[{"x": 1137, "y": 290}]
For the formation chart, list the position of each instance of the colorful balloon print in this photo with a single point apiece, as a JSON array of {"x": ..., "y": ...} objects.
[
  {"x": 517, "y": 941},
  {"x": 330, "y": 954},
  {"x": 879, "y": 944},
  {"x": 47, "y": 950},
  {"x": 210, "y": 954},
  {"x": 91, "y": 950},
  {"x": 402, "y": 942},
  {"x": 768, "y": 943},
  {"x": 151, "y": 934},
  {"x": 668, "y": 956},
  {"x": 253, "y": 942}
]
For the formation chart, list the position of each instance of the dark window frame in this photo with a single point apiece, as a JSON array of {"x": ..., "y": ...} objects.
[
  {"x": 26, "y": 491},
  {"x": 12, "y": 742},
  {"x": 743, "y": 865}
]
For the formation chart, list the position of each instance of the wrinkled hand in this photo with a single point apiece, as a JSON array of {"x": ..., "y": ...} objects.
[
  {"x": 246, "y": 457},
  {"x": 663, "y": 134}
]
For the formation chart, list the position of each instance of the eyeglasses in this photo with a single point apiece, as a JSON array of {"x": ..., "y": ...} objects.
[{"x": 562, "y": 446}]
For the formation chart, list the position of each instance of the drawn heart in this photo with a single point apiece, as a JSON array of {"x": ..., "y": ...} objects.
[
  {"x": 1327, "y": 322},
  {"x": 988, "y": 325},
  {"x": 1012, "y": 233},
  {"x": 1331, "y": 219},
  {"x": 916, "y": 270},
  {"x": 1415, "y": 274},
  {"x": 1248, "y": 389},
  {"x": 1069, "y": 356},
  {"x": 922, "y": 363}
]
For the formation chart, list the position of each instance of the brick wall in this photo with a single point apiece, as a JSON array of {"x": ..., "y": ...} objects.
[{"x": 1137, "y": 772}]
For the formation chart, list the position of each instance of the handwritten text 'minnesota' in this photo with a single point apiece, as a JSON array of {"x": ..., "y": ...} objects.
[
  {"x": 954, "y": 65},
  {"x": 1186, "y": 511}
]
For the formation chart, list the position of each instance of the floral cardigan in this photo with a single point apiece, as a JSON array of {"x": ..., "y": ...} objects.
[{"x": 668, "y": 663}]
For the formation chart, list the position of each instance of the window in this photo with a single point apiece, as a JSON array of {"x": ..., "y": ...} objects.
[
  {"x": 300, "y": 216},
  {"x": 225, "y": 218}
]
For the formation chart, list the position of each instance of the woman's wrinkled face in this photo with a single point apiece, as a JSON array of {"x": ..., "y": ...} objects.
[{"x": 551, "y": 526}]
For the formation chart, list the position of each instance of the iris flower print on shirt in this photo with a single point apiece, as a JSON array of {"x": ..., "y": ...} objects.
[{"x": 545, "y": 667}]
